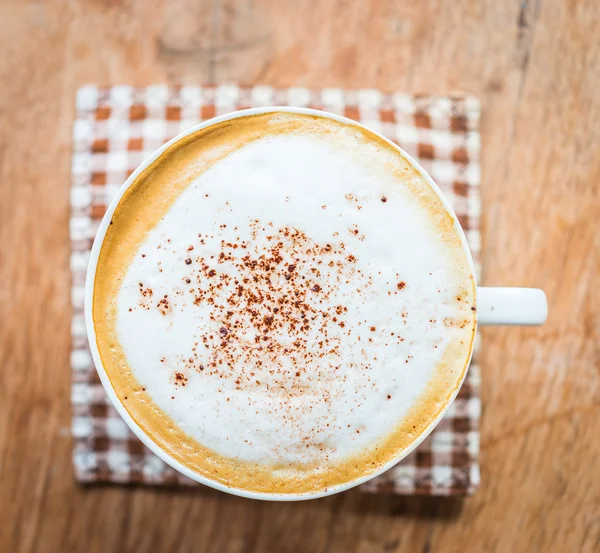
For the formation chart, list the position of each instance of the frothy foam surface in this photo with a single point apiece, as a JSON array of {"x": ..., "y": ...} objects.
[{"x": 295, "y": 302}]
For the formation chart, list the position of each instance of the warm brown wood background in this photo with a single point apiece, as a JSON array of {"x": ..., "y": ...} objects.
[{"x": 535, "y": 64}]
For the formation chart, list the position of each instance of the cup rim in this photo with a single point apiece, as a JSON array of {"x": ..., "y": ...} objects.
[{"x": 105, "y": 380}]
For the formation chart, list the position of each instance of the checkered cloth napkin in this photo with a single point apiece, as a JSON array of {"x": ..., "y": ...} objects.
[{"x": 118, "y": 127}]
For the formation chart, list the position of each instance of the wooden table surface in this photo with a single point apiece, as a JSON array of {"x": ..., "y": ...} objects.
[{"x": 536, "y": 67}]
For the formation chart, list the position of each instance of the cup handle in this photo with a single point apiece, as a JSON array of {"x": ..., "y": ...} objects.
[{"x": 511, "y": 306}]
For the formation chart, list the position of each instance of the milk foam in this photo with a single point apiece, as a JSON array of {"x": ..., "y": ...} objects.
[{"x": 386, "y": 276}]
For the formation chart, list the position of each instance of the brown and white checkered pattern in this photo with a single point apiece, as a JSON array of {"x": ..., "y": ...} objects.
[{"x": 116, "y": 128}]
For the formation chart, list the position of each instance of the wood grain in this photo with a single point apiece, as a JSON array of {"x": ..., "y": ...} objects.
[{"x": 535, "y": 64}]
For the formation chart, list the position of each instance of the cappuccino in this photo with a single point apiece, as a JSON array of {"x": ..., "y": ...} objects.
[{"x": 282, "y": 303}]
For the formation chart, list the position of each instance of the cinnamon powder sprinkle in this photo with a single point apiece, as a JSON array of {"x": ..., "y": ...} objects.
[
  {"x": 180, "y": 379},
  {"x": 274, "y": 309}
]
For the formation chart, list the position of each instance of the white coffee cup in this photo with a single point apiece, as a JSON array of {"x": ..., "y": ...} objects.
[{"x": 507, "y": 306}]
